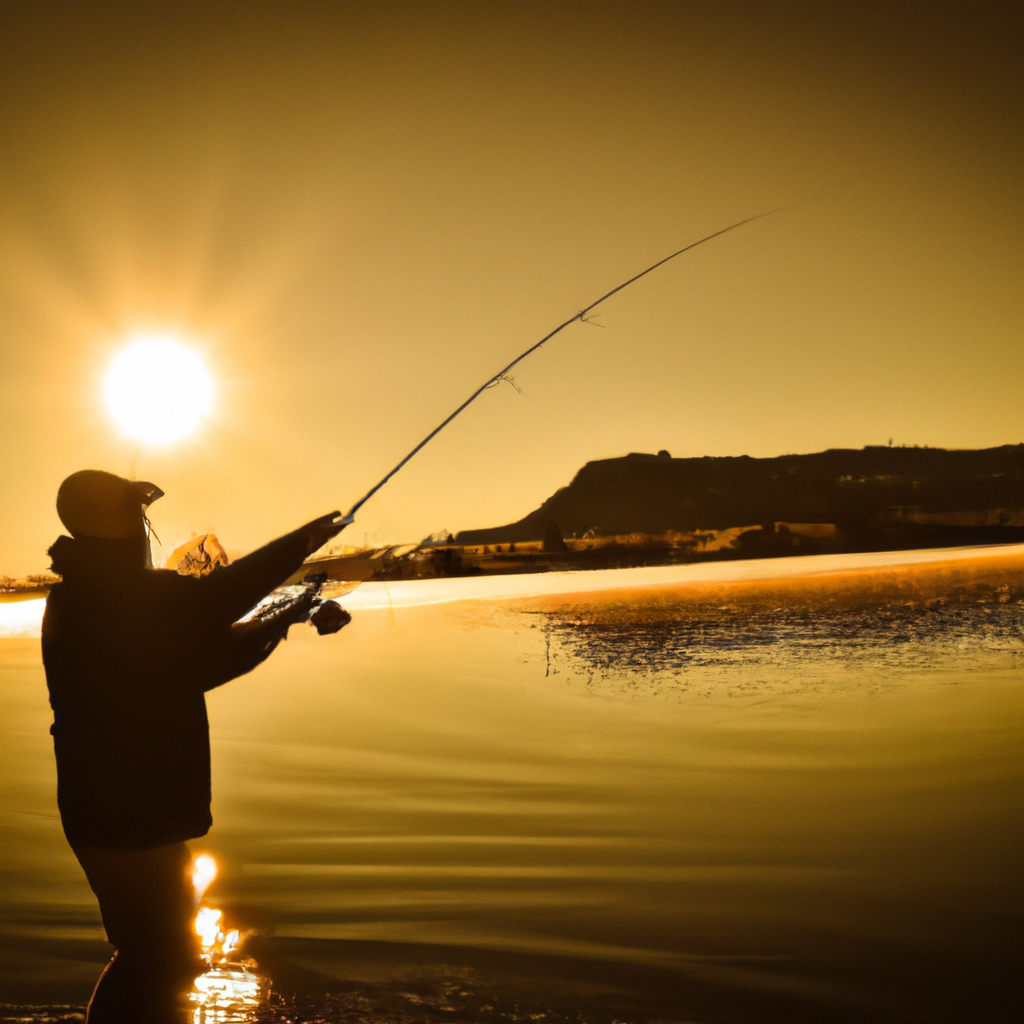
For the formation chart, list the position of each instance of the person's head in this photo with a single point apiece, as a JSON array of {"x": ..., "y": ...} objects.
[{"x": 92, "y": 503}]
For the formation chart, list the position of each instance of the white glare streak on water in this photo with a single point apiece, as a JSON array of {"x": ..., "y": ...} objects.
[
  {"x": 752, "y": 815},
  {"x": 409, "y": 593},
  {"x": 21, "y": 618}
]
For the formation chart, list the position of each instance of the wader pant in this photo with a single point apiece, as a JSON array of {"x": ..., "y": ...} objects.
[{"x": 148, "y": 907}]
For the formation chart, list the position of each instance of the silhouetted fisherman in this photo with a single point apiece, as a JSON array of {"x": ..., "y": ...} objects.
[{"x": 130, "y": 653}]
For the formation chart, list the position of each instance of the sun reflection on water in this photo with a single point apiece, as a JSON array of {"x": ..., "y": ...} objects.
[
  {"x": 229, "y": 990},
  {"x": 226, "y": 994}
]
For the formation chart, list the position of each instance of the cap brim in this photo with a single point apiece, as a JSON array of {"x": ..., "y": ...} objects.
[{"x": 147, "y": 492}]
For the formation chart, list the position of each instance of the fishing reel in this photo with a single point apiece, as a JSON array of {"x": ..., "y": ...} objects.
[{"x": 303, "y": 603}]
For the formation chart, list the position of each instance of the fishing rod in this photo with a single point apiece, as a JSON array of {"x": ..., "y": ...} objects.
[{"x": 349, "y": 516}]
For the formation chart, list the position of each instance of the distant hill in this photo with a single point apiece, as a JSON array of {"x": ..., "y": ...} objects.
[{"x": 875, "y": 497}]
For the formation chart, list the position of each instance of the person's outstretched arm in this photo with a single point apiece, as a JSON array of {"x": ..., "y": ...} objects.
[{"x": 229, "y": 592}]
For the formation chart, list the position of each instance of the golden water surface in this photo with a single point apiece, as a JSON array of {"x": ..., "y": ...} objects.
[{"x": 717, "y": 800}]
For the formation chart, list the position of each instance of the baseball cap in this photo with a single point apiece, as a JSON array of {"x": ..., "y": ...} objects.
[{"x": 93, "y": 503}]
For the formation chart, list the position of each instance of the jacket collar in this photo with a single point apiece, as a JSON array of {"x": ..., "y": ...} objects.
[{"x": 97, "y": 558}]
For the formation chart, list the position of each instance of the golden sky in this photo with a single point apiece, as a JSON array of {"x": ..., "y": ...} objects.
[{"x": 359, "y": 212}]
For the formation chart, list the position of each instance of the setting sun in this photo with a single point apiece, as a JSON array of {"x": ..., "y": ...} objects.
[{"x": 157, "y": 390}]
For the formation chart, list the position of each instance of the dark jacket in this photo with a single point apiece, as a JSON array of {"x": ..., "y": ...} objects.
[{"x": 129, "y": 654}]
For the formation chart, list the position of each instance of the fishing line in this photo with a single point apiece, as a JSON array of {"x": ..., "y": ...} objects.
[{"x": 502, "y": 373}]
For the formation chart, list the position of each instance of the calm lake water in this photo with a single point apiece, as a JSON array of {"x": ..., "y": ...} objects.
[{"x": 688, "y": 798}]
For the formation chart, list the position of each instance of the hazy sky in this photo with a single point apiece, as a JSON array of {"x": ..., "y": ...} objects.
[{"x": 359, "y": 212}]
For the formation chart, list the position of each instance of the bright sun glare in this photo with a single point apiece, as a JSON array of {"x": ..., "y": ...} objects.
[{"x": 157, "y": 390}]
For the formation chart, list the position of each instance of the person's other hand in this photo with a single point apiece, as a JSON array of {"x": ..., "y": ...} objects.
[{"x": 320, "y": 531}]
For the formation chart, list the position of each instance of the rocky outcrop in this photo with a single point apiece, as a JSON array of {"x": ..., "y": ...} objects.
[{"x": 912, "y": 496}]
